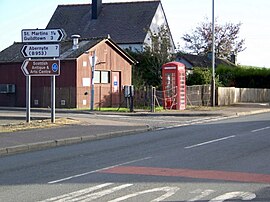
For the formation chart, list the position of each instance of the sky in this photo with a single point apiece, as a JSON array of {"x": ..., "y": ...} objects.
[{"x": 183, "y": 16}]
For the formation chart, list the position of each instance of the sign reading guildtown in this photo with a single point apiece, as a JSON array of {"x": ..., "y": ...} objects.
[{"x": 42, "y": 35}]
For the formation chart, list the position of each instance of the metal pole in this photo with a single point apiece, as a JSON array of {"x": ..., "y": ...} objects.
[
  {"x": 28, "y": 98},
  {"x": 153, "y": 94},
  {"x": 93, "y": 83},
  {"x": 53, "y": 99},
  {"x": 213, "y": 55}
]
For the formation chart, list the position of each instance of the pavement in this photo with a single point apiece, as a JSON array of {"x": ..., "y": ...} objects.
[{"x": 89, "y": 126}]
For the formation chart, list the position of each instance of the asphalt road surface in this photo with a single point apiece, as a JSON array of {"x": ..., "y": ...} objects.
[{"x": 225, "y": 160}]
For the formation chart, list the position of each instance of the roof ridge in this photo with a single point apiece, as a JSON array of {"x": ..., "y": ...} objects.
[
  {"x": 62, "y": 5},
  {"x": 106, "y": 3},
  {"x": 86, "y": 39},
  {"x": 126, "y": 2}
]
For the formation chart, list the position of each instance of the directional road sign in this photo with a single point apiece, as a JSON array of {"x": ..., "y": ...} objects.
[
  {"x": 41, "y": 67},
  {"x": 41, "y": 51},
  {"x": 42, "y": 35}
]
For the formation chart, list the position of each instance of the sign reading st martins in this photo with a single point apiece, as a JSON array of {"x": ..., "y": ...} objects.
[{"x": 42, "y": 35}]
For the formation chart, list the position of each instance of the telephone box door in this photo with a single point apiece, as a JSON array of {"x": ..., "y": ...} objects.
[{"x": 169, "y": 90}]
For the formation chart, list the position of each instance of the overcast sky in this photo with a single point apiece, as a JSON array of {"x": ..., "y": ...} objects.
[{"x": 182, "y": 15}]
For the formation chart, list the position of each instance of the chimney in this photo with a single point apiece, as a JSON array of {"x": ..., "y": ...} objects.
[
  {"x": 75, "y": 38},
  {"x": 96, "y": 8}
]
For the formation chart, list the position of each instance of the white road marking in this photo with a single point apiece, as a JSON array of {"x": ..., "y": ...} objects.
[
  {"x": 260, "y": 129},
  {"x": 203, "y": 194},
  {"x": 246, "y": 196},
  {"x": 90, "y": 197},
  {"x": 98, "y": 170},
  {"x": 209, "y": 142},
  {"x": 196, "y": 121},
  {"x": 75, "y": 194},
  {"x": 169, "y": 192},
  {"x": 89, "y": 194},
  {"x": 114, "y": 116}
]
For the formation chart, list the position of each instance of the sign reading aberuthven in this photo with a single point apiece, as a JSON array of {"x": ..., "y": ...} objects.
[
  {"x": 42, "y": 35},
  {"x": 41, "y": 51},
  {"x": 41, "y": 67}
]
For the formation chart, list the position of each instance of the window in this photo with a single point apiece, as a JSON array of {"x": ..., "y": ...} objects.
[
  {"x": 7, "y": 88},
  {"x": 105, "y": 77},
  {"x": 102, "y": 76},
  {"x": 97, "y": 77}
]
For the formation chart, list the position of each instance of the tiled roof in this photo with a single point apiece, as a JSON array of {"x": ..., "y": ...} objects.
[
  {"x": 203, "y": 60},
  {"x": 13, "y": 52},
  {"x": 124, "y": 22}
]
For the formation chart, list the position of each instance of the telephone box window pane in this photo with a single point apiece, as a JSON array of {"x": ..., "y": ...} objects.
[{"x": 97, "y": 77}]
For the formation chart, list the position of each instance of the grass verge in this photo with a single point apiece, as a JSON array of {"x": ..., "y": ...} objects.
[{"x": 36, "y": 124}]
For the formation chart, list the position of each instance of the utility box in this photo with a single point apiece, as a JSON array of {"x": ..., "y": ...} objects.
[
  {"x": 129, "y": 95},
  {"x": 174, "y": 85}
]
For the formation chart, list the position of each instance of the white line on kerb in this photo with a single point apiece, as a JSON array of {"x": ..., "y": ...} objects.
[
  {"x": 260, "y": 129},
  {"x": 95, "y": 171},
  {"x": 209, "y": 142}
]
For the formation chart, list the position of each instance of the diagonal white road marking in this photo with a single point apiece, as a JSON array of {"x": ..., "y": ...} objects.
[
  {"x": 75, "y": 194},
  {"x": 203, "y": 194},
  {"x": 246, "y": 196},
  {"x": 209, "y": 142},
  {"x": 95, "y": 171},
  {"x": 260, "y": 129},
  {"x": 90, "y": 197},
  {"x": 169, "y": 192}
]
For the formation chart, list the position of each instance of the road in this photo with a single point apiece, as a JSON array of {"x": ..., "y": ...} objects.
[
  {"x": 225, "y": 160},
  {"x": 153, "y": 120}
]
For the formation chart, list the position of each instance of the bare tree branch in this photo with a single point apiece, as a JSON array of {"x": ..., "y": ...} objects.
[{"x": 227, "y": 39}]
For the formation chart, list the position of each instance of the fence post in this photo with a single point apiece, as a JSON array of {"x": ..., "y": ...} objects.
[{"x": 153, "y": 96}]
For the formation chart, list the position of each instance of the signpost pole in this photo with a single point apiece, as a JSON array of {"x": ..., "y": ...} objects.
[
  {"x": 28, "y": 98},
  {"x": 53, "y": 99}
]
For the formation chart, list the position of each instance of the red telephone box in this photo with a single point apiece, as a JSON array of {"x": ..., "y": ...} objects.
[{"x": 174, "y": 85}]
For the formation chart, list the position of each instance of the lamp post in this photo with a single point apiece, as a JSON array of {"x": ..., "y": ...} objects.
[
  {"x": 92, "y": 60},
  {"x": 213, "y": 86}
]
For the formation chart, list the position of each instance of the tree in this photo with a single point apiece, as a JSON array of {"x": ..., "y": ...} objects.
[
  {"x": 148, "y": 70},
  {"x": 227, "y": 40}
]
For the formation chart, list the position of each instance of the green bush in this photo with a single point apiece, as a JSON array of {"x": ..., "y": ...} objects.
[
  {"x": 199, "y": 76},
  {"x": 244, "y": 77},
  {"x": 202, "y": 76}
]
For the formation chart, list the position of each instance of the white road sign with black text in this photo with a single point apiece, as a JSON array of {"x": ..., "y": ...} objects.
[
  {"x": 42, "y": 35},
  {"x": 41, "y": 51}
]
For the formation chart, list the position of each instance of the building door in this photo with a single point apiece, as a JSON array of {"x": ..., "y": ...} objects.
[{"x": 116, "y": 88}]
